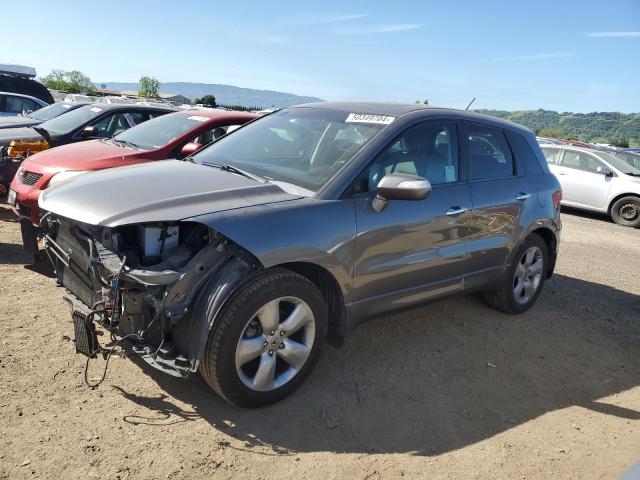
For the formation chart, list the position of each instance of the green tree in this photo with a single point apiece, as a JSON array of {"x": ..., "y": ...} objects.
[
  {"x": 553, "y": 132},
  {"x": 620, "y": 142},
  {"x": 148, "y": 87},
  {"x": 208, "y": 100},
  {"x": 72, "y": 82}
]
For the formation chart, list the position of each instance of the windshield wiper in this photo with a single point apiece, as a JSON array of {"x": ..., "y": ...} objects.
[
  {"x": 230, "y": 168},
  {"x": 633, "y": 174},
  {"x": 43, "y": 132},
  {"x": 126, "y": 142}
]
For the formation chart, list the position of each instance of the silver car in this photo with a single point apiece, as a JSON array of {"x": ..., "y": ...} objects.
[
  {"x": 598, "y": 181},
  {"x": 297, "y": 227}
]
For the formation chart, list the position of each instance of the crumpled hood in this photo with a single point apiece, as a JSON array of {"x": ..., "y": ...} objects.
[
  {"x": 88, "y": 155},
  {"x": 25, "y": 133},
  {"x": 167, "y": 190},
  {"x": 17, "y": 121}
]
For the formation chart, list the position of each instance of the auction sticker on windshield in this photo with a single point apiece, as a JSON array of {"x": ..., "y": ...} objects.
[
  {"x": 369, "y": 118},
  {"x": 198, "y": 118},
  {"x": 95, "y": 109}
]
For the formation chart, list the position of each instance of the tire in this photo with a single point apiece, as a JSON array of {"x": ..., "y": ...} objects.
[
  {"x": 506, "y": 298},
  {"x": 626, "y": 212},
  {"x": 241, "y": 323}
]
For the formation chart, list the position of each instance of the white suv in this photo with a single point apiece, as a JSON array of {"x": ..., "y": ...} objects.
[{"x": 598, "y": 181}]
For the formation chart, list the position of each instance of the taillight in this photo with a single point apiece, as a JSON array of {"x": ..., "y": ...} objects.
[{"x": 557, "y": 198}]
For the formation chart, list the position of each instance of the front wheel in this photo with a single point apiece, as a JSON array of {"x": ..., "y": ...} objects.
[
  {"x": 626, "y": 212},
  {"x": 525, "y": 278},
  {"x": 266, "y": 340}
]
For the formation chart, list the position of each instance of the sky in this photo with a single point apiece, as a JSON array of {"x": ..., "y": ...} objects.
[{"x": 577, "y": 56}]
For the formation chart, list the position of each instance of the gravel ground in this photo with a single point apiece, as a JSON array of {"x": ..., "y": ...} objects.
[{"x": 449, "y": 390}]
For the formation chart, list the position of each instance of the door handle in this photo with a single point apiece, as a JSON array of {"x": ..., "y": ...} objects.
[
  {"x": 523, "y": 196},
  {"x": 563, "y": 172},
  {"x": 453, "y": 211}
]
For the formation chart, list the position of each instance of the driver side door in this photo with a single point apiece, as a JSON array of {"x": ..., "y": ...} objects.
[{"x": 412, "y": 250}]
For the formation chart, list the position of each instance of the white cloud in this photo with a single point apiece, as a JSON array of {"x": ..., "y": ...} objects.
[
  {"x": 274, "y": 38},
  {"x": 315, "y": 19},
  {"x": 535, "y": 56},
  {"x": 614, "y": 34},
  {"x": 373, "y": 29}
]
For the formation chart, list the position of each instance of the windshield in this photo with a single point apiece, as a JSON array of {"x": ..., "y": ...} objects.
[
  {"x": 49, "y": 112},
  {"x": 161, "y": 130},
  {"x": 621, "y": 165},
  {"x": 300, "y": 146},
  {"x": 70, "y": 121},
  {"x": 632, "y": 159}
]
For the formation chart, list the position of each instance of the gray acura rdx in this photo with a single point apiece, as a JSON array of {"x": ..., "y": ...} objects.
[{"x": 241, "y": 260}]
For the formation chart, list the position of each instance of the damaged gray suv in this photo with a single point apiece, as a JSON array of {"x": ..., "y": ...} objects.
[{"x": 240, "y": 261}]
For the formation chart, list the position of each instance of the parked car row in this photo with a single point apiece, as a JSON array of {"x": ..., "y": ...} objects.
[
  {"x": 598, "y": 179},
  {"x": 238, "y": 258},
  {"x": 73, "y": 125}
]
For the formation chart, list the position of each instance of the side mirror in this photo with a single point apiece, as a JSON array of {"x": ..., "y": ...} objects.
[
  {"x": 89, "y": 132},
  {"x": 190, "y": 148},
  {"x": 400, "y": 186},
  {"x": 602, "y": 170}
]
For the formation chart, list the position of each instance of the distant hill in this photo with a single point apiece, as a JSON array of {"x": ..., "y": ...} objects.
[
  {"x": 225, "y": 94},
  {"x": 591, "y": 127}
]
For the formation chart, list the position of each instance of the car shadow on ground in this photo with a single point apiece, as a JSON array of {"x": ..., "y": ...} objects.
[
  {"x": 439, "y": 377},
  {"x": 576, "y": 212}
]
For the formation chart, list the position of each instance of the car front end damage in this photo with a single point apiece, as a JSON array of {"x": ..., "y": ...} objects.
[{"x": 141, "y": 282}]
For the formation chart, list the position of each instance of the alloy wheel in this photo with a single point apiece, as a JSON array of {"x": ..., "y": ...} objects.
[
  {"x": 275, "y": 344},
  {"x": 528, "y": 275}
]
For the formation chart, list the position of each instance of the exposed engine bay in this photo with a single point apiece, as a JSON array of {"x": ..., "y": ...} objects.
[{"x": 141, "y": 283}]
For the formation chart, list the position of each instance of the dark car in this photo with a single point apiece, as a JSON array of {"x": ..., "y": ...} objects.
[
  {"x": 39, "y": 116},
  {"x": 297, "y": 227},
  {"x": 85, "y": 123},
  {"x": 17, "y": 79}
]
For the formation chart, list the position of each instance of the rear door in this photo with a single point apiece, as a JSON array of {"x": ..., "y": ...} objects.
[
  {"x": 581, "y": 184},
  {"x": 499, "y": 194}
]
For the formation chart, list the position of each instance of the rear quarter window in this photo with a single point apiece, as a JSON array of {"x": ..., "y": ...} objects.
[{"x": 525, "y": 155}]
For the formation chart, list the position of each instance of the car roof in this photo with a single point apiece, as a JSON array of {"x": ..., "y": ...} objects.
[
  {"x": 127, "y": 106},
  {"x": 215, "y": 113},
  {"x": 401, "y": 109},
  {"x": 35, "y": 99}
]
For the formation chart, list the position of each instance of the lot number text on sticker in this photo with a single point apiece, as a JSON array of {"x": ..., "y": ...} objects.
[{"x": 369, "y": 118}]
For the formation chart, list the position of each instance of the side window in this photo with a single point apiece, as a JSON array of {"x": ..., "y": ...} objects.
[
  {"x": 580, "y": 161},
  {"x": 136, "y": 117},
  {"x": 489, "y": 153},
  {"x": 525, "y": 155},
  {"x": 210, "y": 135},
  {"x": 111, "y": 124},
  {"x": 19, "y": 105},
  {"x": 551, "y": 155},
  {"x": 428, "y": 150}
]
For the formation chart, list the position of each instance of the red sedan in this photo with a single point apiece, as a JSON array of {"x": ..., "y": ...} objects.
[{"x": 175, "y": 135}]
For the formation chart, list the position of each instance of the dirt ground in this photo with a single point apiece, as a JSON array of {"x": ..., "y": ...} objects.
[{"x": 450, "y": 390}]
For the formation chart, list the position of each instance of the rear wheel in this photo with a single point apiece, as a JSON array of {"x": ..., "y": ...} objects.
[
  {"x": 626, "y": 212},
  {"x": 266, "y": 340},
  {"x": 525, "y": 279}
]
